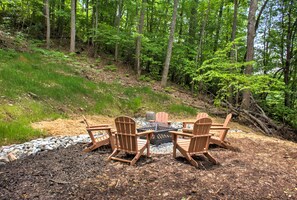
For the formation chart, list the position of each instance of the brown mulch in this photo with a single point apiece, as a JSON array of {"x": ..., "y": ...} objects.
[{"x": 260, "y": 168}]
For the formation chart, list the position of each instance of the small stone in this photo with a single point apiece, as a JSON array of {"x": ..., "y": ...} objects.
[
  {"x": 4, "y": 159},
  {"x": 2, "y": 163},
  {"x": 165, "y": 194},
  {"x": 11, "y": 157}
]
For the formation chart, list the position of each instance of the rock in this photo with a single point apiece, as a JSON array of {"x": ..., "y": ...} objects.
[
  {"x": 2, "y": 163},
  {"x": 11, "y": 157},
  {"x": 4, "y": 159},
  {"x": 165, "y": 194}
]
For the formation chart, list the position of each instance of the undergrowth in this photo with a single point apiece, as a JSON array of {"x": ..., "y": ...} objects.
[{"x": 46, "y": 85}]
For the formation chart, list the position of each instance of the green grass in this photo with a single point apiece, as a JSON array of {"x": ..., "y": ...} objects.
[
  {"x": 182, "y": 109},
  {"x": 46, "y": 85}
]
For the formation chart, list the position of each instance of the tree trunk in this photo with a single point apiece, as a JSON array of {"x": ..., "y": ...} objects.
[
  {"x": 289, "y": 54},
  {"x": 180, "y": 33},
  {"x": 170, "y": 45},
  {"x": 234, "y": 29},
  {"x": 139, "y": 37},
  {"x": 233, "y": 55},
  {"x": 193, "y": 23},
  {"x": 95, "y": 27},
  {"x": 216, "y": 39},
  {"x": 48, "y": 26},
  {"x": 61, "y": 21},
  {"x": 72, "y": 33},
  {"x": 87, "y": 16},
  {"x": 246, "y": 98},
  {"x": 117, "y": 25},
  {"x": 199, "y": 55}
]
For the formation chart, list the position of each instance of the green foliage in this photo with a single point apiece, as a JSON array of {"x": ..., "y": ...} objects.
[
  {"x": 182, "y": 110},
  {"x": 169, "y": 89},
  {"x": 135, "y": 104},
  {"x": 111, "y": 68},
  {"x": 14, "y": 132},
  {"x": 144, "y": 78},
  {"x": 221, "y": 74}
]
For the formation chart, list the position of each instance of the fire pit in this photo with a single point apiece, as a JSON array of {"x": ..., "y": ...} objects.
[{"x": 161, "y": 133}]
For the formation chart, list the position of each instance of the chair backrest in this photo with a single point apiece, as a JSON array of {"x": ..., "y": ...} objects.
[
  {"x": 162, "y": 117},
  {"x": 201, "y": 115},
  {"x": 199, "y": 143},
  {"x": 223, "y": 133},
  {"x": 86, "y": 122},
  {"x": 126, "y": 139},
  {"x": 227, "y": 120}
]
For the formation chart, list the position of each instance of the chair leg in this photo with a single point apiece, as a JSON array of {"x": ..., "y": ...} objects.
[
  {"x": 114, "y": 153},
  {"x": 148, "y": 154},
  {"x": 174, "y": 149},
  {"x": 210, "y": 158},
  {"x": 137, "y": 156},
  {"x": 191, "y": 160}
]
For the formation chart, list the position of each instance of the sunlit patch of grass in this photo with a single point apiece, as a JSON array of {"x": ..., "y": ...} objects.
[
  {"x": 182, "y": 109},
  {"x": 14, "y": 132},
  {"x": 42, "y": 86}
]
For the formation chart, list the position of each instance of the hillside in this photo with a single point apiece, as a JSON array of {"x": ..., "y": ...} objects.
[{"x": 45, "y": 93}]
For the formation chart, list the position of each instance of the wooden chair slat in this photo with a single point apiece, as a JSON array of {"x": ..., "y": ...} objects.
[
  {"x": 198, "y": 142},
  {"x": 104, "y": 139},
  {"x": 128, "y": 141},
  {"x": 220, "y": 141}
]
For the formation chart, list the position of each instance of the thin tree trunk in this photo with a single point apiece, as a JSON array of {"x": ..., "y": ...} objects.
[
  {"x": 87, "y": 16},
  {"x": 48, "y": 26},
  {"x": 139, "y": 37},
  {"x": 117, "y": 25},
  {"x": 199, "y": 56},
  {"x": 216, "y": 39},
  {"x": 95, "y": 25},
  {"x": 233, "y": 51},
  {"x": 234, "y": 30},
  {"x": 72, "y": 34},
  {"x": 180, "y": 33},
  {"x": 193, "y": 23},
  {"x": 170, "y": 45},
  {"x": 259, "y": 15},
  {"x": 246, "y": 98}
]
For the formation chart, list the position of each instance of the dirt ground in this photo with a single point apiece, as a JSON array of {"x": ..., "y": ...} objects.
[{"x": 260, "y": 168}]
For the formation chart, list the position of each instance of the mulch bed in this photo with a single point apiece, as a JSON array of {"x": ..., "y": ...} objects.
[{"x": 258, "y": 169}]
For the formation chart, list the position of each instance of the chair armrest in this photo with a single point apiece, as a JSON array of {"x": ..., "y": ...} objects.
[
  {"x": 145, "y": 132},
  {"x": 217, "y": 124},
  {"x": 181, "y": 133},
  {"x": 188, "y": 122},
  {"x": 205, "y": 135},
  {"x": 100, "y": 125},
  {"x": 187, "y": 130},
  {"x": 219, "y": 128},
  {"x": 98, "y": 128}
]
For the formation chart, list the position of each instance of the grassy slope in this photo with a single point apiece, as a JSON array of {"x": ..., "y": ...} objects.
[{"x": 46, "y": 85}]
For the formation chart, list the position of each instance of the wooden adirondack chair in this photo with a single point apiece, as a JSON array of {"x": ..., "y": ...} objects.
[
  {"x": 186, "y": 124},
  {"x": 197, "y": 143},
  {"x": 162, "y": 118},
  {"x": 127, "y": 140},
  {"x": 222, "y": 131},
  {"x": 101, "y": 140}
]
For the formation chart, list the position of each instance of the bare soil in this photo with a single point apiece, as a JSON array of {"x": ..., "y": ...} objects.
[{"x": 260, "y": 168}]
